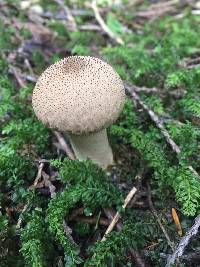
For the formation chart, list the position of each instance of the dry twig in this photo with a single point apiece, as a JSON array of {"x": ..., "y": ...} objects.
[
  {"x": 49, "y": 184},
  {"x": 64, "y": 145},
  {"x": 158, "y": 123},
  {"x": 17, "y": 76},
  {"x": 39, "y": 174},
  {"x": 158, "y": 9},
  {"x": 117, "y": 215},
  {"x": 28, "y": 65},
  {"x": 105, "y": 28},
  {"x": 68, "y": 232},
  {"x": 146, "y": 90},
  {"x": 154, "y": 117},
  {"x": 183, "y": 242}
]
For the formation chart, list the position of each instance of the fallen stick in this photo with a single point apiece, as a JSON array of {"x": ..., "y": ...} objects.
[
  {"x": 105, "y": 28},
  {"x": 154, "y": 118},
  {"x": 64, "y": 145},
  {"x": 17, "y": 76},
  {"x": 184, "y": 241},
  {"x": 117, "y": 215},
  {"x": 158, "y": 123},
  {"x": 39, "y": 174}
]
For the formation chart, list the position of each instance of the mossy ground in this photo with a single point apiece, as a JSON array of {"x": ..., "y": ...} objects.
[{"x": 160, "y": 50}]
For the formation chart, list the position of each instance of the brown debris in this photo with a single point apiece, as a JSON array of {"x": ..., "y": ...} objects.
[{"x": 41, "y": 34}]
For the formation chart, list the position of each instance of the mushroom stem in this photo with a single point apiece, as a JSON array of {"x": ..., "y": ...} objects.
[{"x": 94, "y": 146}]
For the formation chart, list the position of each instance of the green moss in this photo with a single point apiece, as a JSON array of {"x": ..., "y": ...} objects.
[
  {"x": 6, "y": 41},
  {"x": 38, "y": 61},
  {"x": 36, "y": 244},
  {"x": 113, "y": 250},
  {"x": 59, "y": 28}
]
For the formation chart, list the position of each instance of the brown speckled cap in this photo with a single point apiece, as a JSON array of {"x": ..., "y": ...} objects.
[{"x": 78, "y": 94}]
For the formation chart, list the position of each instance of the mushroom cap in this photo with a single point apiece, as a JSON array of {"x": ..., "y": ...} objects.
[{"x": 78, "y": 94}]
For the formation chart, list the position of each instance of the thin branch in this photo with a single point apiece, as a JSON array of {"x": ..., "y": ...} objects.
[
  {"x": 49, "y": 184},
  {"x": 105, "y": 28},
  {"x": 17, "y": 76},
  {"x": 64, "y": 145},
  {"x": 28, "y": 65},
  {"x": 39, "y": 174},
  {"x": 138, "y": 259},
  {"x": 29, "y": 78},
  {"x": 190, "y": 257},
  {"x": 117, "y": 215},
  {"x": 76, "y": 213},
  {"x": 184, "y": 241},
  {"x": 158, "y": 123},
  {"x": 158, "y": 9},
  {"x": 154, "y": 117},
  {"x": 90, "y": 27},
  {"x": 154, "y": 212},
  {"x": 110, "y": 214},
  {"x": 146, "y": 90}
]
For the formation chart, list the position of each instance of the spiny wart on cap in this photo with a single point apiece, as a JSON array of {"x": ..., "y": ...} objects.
[{"x": 78, "y": 94}]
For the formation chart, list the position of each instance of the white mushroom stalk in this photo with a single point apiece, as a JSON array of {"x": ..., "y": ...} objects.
[
  {"x": 82, "y": 96},
  {"x": 94, "y": 146}
]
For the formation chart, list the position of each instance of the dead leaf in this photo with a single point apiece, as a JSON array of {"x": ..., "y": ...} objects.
[{"x": 177, "y": 222}]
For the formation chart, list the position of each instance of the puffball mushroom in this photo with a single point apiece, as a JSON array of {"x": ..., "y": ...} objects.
[{"x": 81, "y": 95}]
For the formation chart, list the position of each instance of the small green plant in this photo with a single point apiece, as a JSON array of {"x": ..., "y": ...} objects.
[
  {"x": 114, "y": 249},
  {"x": 86, "y": 183},
  {"x": 36, "y": 244}
]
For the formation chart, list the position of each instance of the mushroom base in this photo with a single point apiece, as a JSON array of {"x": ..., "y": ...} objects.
[{"x": 94, "y": 146}]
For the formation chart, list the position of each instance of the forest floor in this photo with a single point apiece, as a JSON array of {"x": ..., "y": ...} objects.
[{"x": 54, "y": 210}]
